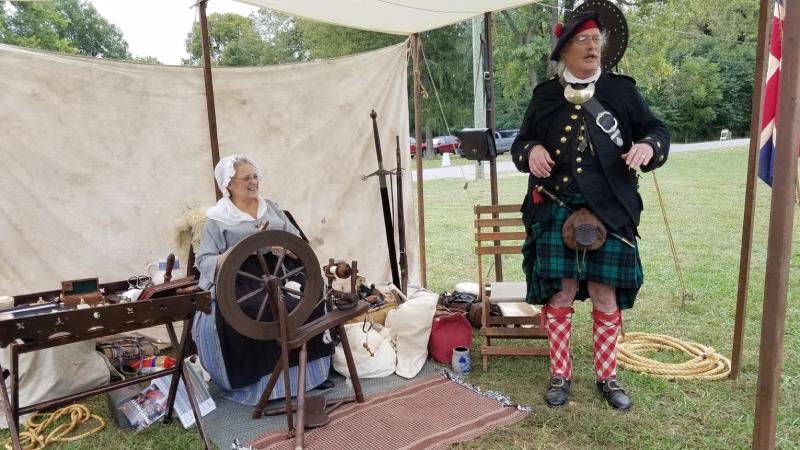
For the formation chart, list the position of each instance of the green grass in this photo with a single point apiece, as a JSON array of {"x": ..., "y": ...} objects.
[{"x": 704, "y": 195}]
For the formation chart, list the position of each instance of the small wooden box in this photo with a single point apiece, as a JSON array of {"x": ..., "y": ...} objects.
[{"x": 88, "y": 289}]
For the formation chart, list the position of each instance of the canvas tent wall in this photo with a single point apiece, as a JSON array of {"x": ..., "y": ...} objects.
[
  {"x": 99, "y": 158},
  {"x": 396, "y": 17}
]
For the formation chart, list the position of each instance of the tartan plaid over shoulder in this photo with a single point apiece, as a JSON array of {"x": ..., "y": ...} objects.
[{"x": 546, "y": 261}]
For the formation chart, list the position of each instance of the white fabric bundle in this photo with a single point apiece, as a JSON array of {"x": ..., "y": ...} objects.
[
  {"x": 467, "y": 287},
  {"x": 410, "y": 324},
  {"x": 383, "y": 359}
]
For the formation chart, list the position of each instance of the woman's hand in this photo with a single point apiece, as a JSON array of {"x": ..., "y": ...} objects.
[
  {"x": 539, "y": 161},
  {"x": 639, "y": 155},
  {"x": 276, "y": 250}
]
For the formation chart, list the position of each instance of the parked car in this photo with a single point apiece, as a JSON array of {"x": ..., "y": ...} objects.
[
  {"x": 413, "y": 146},
  {"x": 503, "y": 140},
  {"x": 445, "y": 144}
]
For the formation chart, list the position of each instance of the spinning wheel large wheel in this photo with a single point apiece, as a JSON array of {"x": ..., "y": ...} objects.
[{"x": 251, "y": 273}]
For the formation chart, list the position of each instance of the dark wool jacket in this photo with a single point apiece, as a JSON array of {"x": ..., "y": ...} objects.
[{"x": 610, "y": 187}]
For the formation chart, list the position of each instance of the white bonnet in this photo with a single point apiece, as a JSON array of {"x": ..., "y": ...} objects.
[{"x": 226, "y": 169}]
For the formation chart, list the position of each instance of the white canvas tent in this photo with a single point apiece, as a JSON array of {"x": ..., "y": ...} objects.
[
  {"x": 404, "y": 17},
  {"x": 100, "y": 158}
]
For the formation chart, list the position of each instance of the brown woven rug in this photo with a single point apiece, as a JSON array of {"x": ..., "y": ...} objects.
[{"x": 431, "y": 414}]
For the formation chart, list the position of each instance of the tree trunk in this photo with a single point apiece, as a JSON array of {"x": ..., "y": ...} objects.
[
  {"x": 534, "y": 79},
  {"x": 429, "y": 152}
]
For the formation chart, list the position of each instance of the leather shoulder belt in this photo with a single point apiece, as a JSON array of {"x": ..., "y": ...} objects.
[{"x": 604, "y": 119}]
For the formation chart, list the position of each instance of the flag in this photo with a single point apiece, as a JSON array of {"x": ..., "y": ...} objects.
[{"x": 766, "y": 156}]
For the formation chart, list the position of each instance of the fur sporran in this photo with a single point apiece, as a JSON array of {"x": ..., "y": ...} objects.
[{"x": 583, "y": 231}]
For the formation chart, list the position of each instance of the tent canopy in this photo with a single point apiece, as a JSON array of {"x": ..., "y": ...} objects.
[{"x": 388, "y": 16}]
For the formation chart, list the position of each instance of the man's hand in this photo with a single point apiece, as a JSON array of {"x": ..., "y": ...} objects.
[
  {"x": 639, "y": 155},
  {"x": 539, "y": 162}
]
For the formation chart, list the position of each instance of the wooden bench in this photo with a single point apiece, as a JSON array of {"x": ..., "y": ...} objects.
[{"x": 499, "y": 231}]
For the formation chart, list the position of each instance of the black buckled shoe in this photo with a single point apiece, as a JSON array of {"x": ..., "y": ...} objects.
[
  {"x": 615, "y": 395},
  {"x": 558, "y": 391}
]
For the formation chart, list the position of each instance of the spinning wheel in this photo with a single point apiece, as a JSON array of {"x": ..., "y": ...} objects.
[
  {"x": 250, "y": 273},
  {"x": 268, "y": 287}
]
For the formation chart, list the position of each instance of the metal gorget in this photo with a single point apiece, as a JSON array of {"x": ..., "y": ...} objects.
[{"x": 578, "y": 96}]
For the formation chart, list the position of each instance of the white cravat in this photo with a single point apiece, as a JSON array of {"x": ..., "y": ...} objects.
[
  {"x": 226, "y": 212},
  {"x": 570, "y": 78}
]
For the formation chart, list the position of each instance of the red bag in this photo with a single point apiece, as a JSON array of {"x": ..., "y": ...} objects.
[{"x": 449, "y": 329}]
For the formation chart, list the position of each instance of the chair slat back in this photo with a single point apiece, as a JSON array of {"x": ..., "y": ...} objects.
[{"x": 498, "y": 229}]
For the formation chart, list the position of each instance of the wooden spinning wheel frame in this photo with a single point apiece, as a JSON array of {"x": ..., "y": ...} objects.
[{"x": 266, "y": 246}]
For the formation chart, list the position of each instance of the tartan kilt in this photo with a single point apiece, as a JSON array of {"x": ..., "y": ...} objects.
[{"x": 546, "y": 260}]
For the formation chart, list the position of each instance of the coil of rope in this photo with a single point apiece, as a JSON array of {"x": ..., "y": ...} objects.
[
  {"x": 33, "y": 438},
  {"x": 704, "y": 363}
]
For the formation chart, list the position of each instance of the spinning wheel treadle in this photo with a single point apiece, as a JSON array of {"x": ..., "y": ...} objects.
[{"x": 262, "y": 263}]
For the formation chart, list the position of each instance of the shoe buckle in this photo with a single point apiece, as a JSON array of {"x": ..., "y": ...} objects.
[
  {"x": 612, "y": 385},
  {"x": 557, "y": 382}
]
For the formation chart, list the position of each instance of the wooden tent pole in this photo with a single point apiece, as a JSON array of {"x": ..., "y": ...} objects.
[
  {"x": 210, "y": 106},
  {"x": 491, "y": 123},
  {"x": 779, "y": 245},
  {"x": 750, "y": 191},
  {"x": 415, "y": 45}
]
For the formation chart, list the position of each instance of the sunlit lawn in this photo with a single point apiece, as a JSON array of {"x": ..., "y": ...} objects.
[{"x": 704, "y": 195}]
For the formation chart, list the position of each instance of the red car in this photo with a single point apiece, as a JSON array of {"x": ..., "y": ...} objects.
[
  {"x": 413, "y": 146},
  {"x": 445, "y": 144}
]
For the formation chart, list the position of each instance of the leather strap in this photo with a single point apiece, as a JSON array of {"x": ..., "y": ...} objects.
[{"x": 604, "y": 119}]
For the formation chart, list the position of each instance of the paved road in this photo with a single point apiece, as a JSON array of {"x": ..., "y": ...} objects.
[{"x": 468, "y": 171}]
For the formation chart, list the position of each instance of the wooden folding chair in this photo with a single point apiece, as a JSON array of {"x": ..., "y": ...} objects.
[{"x": 499, "y": 231}]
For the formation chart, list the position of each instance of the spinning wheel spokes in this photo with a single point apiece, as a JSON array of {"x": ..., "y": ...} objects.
[
  {"x": 292, "y": 291},
  {"x": 263, "y": 307},
  {"x": 279, "y": 264},
  {"x": 263, "y": 262},
  {"x": 252, "y": 313},
  {"x": 290, "y": 273},
  {"x": 248, "y": 275},
  {"x": 250, "y": 295}
]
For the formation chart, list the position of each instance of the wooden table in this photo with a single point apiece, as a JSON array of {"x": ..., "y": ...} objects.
[{"x": 58, "y": 326}]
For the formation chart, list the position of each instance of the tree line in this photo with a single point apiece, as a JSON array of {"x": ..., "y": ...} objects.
[{"x": 693, "y": 60}]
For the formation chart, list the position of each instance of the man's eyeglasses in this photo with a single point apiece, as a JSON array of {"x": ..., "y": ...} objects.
[
  {"x": 254, "y": 177},
  {"x": 584, "y": 40}
]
